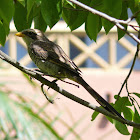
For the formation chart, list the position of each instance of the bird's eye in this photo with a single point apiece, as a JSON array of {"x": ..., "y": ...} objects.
[{"x": 30, "y": 33}]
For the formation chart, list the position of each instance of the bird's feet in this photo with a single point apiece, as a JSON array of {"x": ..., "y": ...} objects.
[{"x": 51, "y": 101}]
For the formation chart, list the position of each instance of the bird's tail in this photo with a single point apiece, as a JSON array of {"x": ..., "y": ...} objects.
[{"x": 98, "y": 98}]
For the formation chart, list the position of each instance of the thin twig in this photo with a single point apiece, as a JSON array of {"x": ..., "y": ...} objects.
[
  {"x": 133, "y": 16},
  {"x": 132, "y": 26},
  {"x": 127, "y": 88},
  {"x": 131, "y": 69}
]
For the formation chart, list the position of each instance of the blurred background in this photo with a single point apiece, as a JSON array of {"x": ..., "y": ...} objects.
[{"x": 26, "y": 114}]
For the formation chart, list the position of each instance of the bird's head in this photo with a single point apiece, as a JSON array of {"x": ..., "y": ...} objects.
[{"x": 31, "y": 35}]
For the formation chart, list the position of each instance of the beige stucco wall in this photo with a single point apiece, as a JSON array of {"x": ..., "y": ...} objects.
[{"x": 103, "y": 82}]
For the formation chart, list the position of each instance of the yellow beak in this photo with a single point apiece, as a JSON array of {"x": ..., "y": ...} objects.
[{"x": 20, "y": 34}]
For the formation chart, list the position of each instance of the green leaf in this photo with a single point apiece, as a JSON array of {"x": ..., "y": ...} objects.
[
  {"x": 66, "y": 1},
  {"x": 123, "y": 16},
  {"x": 134, "y": 8},
  {"x": 2, "y": 34},
  {"x": 136, "y": 132},
  {"x": 38, "y": 2},
  {"x": 30, "y": 4},
  {"x": 20, "y": 17},
  {"x": 6, "y": 27},
  {"x": 137, "y": 94},
  {"x": 93, "y": 23},
  {"x": 107, "y": 25},
  {"x": 136, "y": 2},
  {"x": 51, "y": 11},
  {"x": 22, "y": 2},
  {"x": 93, "y": 26},
  {"x": 69, "y": 14},
  {"x": 39, "y": 22},
  {"x": 121, "y": 103},
  {"x": 128, "y": 113},
  {"x": 136, "y": 116},
  {"x": 36, "y": 12},
  {"x": 81, "y": 16},
  {"x": 112, "y": 8},
  {"x": 134, "y": 135},
  {"x": 73, "y": 16},
  {"x": 94, "y": 115},
  {"x": 121, "y": 128},
  {"x": 6, "y": 10}
]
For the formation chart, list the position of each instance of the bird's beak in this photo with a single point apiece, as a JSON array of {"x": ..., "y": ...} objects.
[{"x": 20, "y": 34}]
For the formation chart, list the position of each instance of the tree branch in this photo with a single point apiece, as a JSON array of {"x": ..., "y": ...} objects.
[
  {"x": 115, "y": 21},
  {"x": 54, "y": 86}
]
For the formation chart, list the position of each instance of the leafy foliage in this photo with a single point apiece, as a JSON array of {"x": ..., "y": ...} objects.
[
  {"x": 123, "y": 106},
  {"x": 51, "y": 11},
  {"x": 94, "y": 115},
  {"x": 20, "y": 17},
  {"x": 46, "y": 12},
  {"x": 122, "y": 128},
  {"x": 6, "y": 14},
  {"x": 136, "y": 132},
  {"x": 123, "y": 16}
]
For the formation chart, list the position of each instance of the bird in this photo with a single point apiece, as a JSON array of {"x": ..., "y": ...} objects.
[{"x": 52, "y": 60}]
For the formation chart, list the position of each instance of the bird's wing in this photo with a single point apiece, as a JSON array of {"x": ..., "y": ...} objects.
[
  {"x": 50, "y": 51},
  {"x": 65, "y": 58}
]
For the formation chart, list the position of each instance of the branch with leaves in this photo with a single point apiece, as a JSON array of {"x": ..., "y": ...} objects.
[
  {"x": 54, "y": 86},
  {"x": 104, "y": 14},
  {"x": 113, "y": 20},
  {"x": 118, "y": 23}
]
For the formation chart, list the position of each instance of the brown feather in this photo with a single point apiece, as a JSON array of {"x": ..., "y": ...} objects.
[{"x": 53, "y": 53}]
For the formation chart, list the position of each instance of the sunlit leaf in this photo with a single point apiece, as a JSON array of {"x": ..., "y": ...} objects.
[
  {"x": 6, "y": 10},
  {"x": 112, "y": 8},
  {"x": 30, "y": 4},
  {"x": 20, "y": 17},
  {"x": 2, "y": 34},
  {"x": 93, "y": 26},
  {"x": 128, "y": 113},
  {"x": 121, "y": 128},
  {"x": 136, "y": 132},
  {"x": 94, "y": 115},
  {"x": 124, "y": 16},
  {"x": 122, "y": 103},
  {"x": 137, "y": 94},
  {"x": 51, "y": 11}
]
